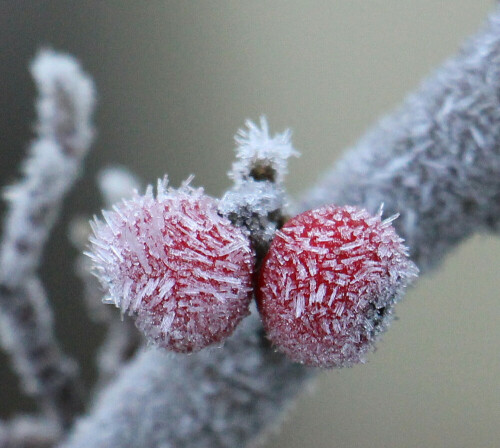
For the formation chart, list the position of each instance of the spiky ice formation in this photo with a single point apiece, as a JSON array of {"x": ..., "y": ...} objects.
[
  {"x": 329, "y": 282},
  {"x": 260, "y": 156},
  {"x": 257, "y": 200},
  {"x": 184, "y": 271}
]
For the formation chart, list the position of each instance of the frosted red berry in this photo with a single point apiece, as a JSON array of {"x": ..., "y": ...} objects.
[
  {"x": 329, "y": 282},
  {"x": 183, "y": 271}
]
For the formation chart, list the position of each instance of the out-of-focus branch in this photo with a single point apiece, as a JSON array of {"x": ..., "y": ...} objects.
[
  {"x": 28, "y": 432},
  {"x": 214, "y": 398},
  {"x": 64, "y": 135},
  {"x": 435, "y": 161},
  {"x": 122, "y": 339}
]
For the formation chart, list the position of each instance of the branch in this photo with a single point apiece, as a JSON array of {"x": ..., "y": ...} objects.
[
  {"x": 209, "y": 399},
  {"x": 64, "y": 136},
  {"x": 435, "y": 161},
  {"x": 121, "y": 339},
  {"x": 28, "y": 432}
]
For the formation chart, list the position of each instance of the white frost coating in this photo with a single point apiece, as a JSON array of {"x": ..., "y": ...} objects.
[
  {"x": 320, "y": 295},
  {"x": 208, "y": 399},
  {"x": 350, "y": 246},
  {"x": 300, "y": 306},
  {"x": 333, "y": 296},
  {"x": 284, "y": 236}
]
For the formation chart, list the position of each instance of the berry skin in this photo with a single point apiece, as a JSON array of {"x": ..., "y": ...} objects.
[
  {"x": 328, "y": 284},
  {"x": 181, "y": 269}
]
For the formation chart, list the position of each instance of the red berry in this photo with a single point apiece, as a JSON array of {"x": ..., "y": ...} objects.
[
  {"x": 182, "y": 270},
  {"x": 329, "y": 282}
]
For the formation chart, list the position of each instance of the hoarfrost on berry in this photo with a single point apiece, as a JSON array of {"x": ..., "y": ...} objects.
[
  {"x": 174, "y": 263},
  {"x": 329, "y": 282}
]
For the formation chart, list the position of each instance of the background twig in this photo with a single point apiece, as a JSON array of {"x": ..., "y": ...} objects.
[{"x": 64, "y": 136}]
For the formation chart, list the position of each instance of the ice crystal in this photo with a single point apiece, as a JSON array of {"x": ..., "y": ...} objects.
[{"x": 184, "y": 271}]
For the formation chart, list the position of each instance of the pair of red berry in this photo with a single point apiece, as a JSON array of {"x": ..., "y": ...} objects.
[{"x": 325, "y": 289}]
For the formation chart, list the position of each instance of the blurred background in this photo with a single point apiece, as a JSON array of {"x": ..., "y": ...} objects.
[{"x": 176, "y": 79}]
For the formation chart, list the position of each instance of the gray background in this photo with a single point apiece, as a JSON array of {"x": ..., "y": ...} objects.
[{"x": 177, "y": 79}]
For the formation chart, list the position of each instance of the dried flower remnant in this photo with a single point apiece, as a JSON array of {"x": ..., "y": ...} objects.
[
  {"x": 329, "y": 283},
  {"x": 174, "y": 263},
  {"x": 258, "y": 201}
]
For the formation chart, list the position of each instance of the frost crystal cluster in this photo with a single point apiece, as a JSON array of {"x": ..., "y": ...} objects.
[
  {"x": 184, "y": 271},
  {"x": 329, "y": 282},
  {"x": 258, "y": 198}
]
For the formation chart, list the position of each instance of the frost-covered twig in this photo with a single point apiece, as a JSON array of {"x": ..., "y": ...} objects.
[
  {"x": 64, "y": 136},
  {"x": 28, "y": 432},
  {"x": 121, "y": 342},
  {"x": 436, "y": 160},
  {"x": 215, "y": 398},
  {"x": 444, "y": 144},
  {"x": 121, "y": 339}
]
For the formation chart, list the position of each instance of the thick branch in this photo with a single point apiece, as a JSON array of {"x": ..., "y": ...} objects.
[
  {"x": 214, "y": 398},
  {"x": 436, "y": 160}
]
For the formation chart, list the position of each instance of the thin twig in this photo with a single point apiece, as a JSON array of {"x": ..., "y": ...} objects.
[{"x": 64, "y": 136}]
